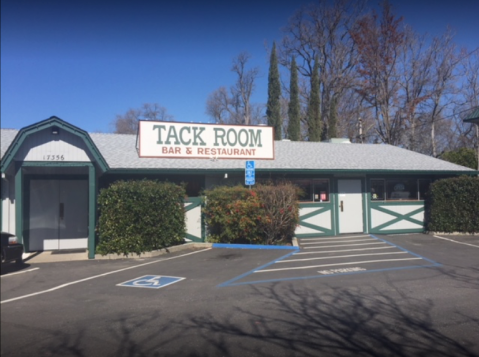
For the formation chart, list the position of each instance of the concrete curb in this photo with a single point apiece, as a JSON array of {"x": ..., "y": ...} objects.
[
  {"x": 50, "y": 256},
  {"x": 152, "y": 254}
]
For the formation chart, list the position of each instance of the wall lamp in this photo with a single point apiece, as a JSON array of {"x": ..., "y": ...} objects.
[{"x": 55, "y": 130}]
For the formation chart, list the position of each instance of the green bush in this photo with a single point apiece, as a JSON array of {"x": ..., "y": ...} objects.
[
  {"x": 265, "y": 215},
  {"x": 232, "y": 215},
  {"x": 280, "y": 212},
  {"x": 465, "y": 157},
  {"x": 452, "y": 205},
  {"x": 140, "y": 216}
]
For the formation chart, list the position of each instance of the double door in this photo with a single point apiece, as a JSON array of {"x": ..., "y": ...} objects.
[{"x": 58, "y": 214}]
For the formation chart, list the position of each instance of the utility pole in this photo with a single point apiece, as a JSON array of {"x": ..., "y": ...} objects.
[{"x": 360, "y": 130}]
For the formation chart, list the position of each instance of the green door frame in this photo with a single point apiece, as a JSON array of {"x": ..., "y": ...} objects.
[
  {"x": 336, "y": 202},
  {"x": 20, "y": 197}
]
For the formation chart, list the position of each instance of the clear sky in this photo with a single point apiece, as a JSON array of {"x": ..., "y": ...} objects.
[{"x": 87, "y": 61}]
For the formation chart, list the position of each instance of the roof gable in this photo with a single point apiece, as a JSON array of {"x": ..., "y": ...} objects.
[{"x": 52, "y": 122}]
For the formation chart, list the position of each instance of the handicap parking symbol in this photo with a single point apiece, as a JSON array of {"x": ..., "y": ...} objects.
[{"x": 151, "y": 281}]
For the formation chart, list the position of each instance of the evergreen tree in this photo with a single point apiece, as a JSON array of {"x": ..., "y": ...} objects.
[
  {"x": 314, "y": 115},
  {"x": 333, "y": 118},
  {"x": 273, "y": 108},
  {"x": 294, "y": 109}
]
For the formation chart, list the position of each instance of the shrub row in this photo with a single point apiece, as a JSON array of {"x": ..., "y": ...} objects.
[
  {"x": 140, "y": 216},
  {"x": 453, "y": 205},
  {"x": 266, "y": 214}
]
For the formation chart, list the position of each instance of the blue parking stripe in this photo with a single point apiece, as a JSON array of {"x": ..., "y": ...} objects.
[
  {"x": 252, "y": 271},
  {"x": 230, "y": 282},
  {"x": 405, "y": 250},
  {"x": 233, "y": 282}
]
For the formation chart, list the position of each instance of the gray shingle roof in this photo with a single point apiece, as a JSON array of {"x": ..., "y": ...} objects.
[{"x": 120, "y": 152}]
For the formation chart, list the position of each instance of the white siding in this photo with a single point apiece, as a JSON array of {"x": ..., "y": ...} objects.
[
  {"x": 43, "y": 146},
  {"x": 8, "y": 205}
]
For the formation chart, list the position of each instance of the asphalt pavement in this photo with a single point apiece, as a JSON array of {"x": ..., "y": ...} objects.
[{"x": 326, "y": 299}]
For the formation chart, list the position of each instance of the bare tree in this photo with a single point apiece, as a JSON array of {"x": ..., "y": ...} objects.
[
  {"x": 379, "y": 42},
  {"x": 235, "y": 107},
  {"x": 322, "y": 31},
  {"x": 416, "y": 63},
  {"x": 443, "y": 88},
  {"x": 128, "y": 122}
]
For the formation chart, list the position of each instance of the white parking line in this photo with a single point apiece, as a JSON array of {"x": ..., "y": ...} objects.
[
  {"x": 336, "y": 238},
  {"x": 343, "y": 245},
  {"x": 338, "y": 256},
  {"x": 342, "y": 241},
  {"x": 455, "y": 241},
  {"x": 345, "y": 250},
  {"x": 19, "y": 272},
  {"x": 99, "y": 276},
  {"x": 336, "y": 264}
]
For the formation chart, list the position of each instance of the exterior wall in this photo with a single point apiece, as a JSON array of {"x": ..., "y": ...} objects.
[
  {"x": 396, "y": 217},
  {"x": 194, "y": 230},
  {"x": 43, "y": 146},
  {"x": 315, "y": 219},
  {"x": 8, "y": 205}
]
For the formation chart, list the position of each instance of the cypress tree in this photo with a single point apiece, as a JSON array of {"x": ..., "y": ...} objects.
[
  {"x": 314, "y": 115},
  {"x": 273, "y": 108},
  {"x": 333, "y": 118},
  {"x": 294, "y": 108}
]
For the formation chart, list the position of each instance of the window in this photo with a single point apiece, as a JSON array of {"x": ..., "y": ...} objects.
[
  {"x": 423, "y": 188},
  {"x": 399, "y": 189},
  {"x": 377, "y": 190},
  {"x": 313, "y": 190}
]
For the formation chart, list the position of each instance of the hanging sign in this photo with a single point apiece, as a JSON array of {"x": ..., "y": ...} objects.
[{"x": 205, "y": 141}]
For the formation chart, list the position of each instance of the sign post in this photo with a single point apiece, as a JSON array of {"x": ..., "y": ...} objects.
[{"x": 249, "y": 173}]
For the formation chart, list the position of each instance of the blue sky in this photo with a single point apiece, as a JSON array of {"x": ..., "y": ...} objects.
[{"x": 87, "y": 61}]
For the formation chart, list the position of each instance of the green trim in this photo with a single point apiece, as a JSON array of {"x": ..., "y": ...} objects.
[
  {"x": 24, "y": 133},
  {"x": 19, "y": 206},
  {"x": 22, "y": 194},
  {"x": 365, "y": 206},
  {"x": 363, "y": 203},
  {"x": 260, "y": 171},
  {"x": 195, "y": 202},
  {"x": 320, "y": 231},
  {"x": 379, "y": 206},
  {"x": 193, "y": 238},
  {"x": 92, "y": 195},
  {"x": 56, "y": 163}
]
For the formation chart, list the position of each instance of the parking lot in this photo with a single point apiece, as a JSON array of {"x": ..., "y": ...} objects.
[{"x": 352, "y": 295}]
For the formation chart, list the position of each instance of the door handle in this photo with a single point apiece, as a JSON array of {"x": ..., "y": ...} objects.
[
  {"x": 342, "y": 206},
  {"x": 62, "y": 210}
]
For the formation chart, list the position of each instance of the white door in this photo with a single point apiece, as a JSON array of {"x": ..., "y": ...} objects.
[
  {"x": 350, "y": 206},
  {"x": 58, "y": 214}
]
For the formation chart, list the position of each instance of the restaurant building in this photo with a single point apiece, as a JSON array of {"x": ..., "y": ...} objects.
[{"x": 52, "y": 172}]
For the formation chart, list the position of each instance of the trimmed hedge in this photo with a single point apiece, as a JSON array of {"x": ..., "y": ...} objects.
[
  {"x": 265, "y": 215},
  {"x": 452, "y": 205},
  {"x": 140, "y": 216}
]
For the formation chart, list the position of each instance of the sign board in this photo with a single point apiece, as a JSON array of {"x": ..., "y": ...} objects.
[
  {"x": 249, "y": 173},
  {"x": 151, "y": 281},
  {"x": 204, "y": 141}
]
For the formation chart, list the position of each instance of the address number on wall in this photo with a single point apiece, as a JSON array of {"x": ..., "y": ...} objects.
[{"x": 53, "y": 157}]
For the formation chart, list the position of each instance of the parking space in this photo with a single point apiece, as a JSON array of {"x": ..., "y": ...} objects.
[
  {"x": 330, "y": 256},
  {"x": 179, "y": 304}
]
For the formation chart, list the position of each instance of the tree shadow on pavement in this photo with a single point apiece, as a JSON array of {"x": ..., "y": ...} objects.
[{"x": 299, "y": 321}]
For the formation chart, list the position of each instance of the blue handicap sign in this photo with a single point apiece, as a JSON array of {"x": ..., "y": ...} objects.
[
  {"x": 249, "y": 173},
  {"x": 151, "y": 281}
]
